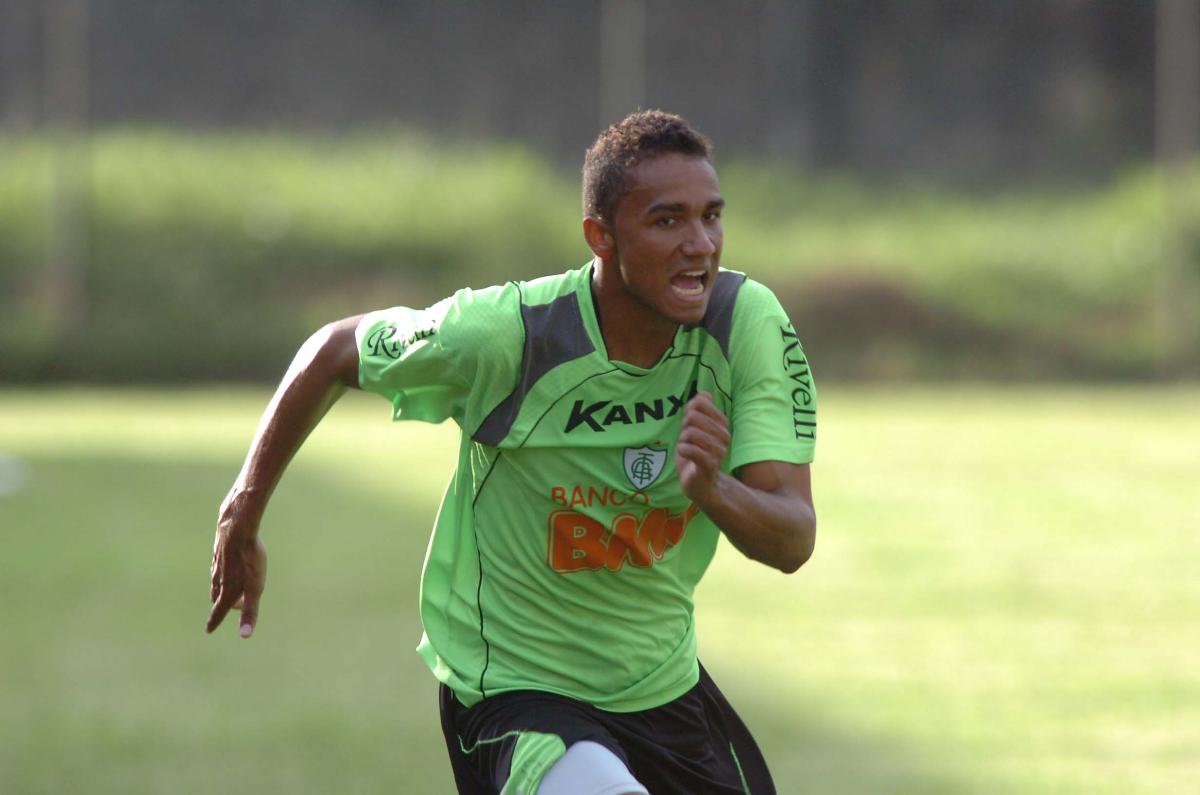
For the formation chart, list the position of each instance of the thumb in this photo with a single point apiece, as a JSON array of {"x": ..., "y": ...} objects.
[{"x": 249, "y": 613}]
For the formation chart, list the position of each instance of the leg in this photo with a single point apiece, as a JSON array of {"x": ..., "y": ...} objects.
[
  {"x": 465, "y": 780},
  {"x": 588, "y": 768},
  {"x": 510, "y": 742},
  {"x": 696, "y": 743},
  {"x": 749, "y": 759}
]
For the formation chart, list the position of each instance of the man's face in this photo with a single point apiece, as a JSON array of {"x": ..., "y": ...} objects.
[{"x": 668, "y": 235}]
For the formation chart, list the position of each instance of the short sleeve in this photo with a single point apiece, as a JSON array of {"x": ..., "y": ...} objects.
[
  {"x": 449, "y": 360},
  {"x": 774, "y": 414}
]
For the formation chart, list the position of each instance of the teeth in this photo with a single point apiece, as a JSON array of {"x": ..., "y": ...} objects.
[
  {"x": 697, "y": 290},
  {"x": 699, "y": 275}
]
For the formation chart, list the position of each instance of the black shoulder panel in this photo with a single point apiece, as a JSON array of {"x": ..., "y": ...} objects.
[
  {"x": 554, "y": 335},
  {"x": 718, "y": 318}
]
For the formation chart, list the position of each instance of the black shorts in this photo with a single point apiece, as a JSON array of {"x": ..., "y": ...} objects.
[{"x": 694, "y": 745}]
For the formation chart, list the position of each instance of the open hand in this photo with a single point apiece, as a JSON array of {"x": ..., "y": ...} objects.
[{"x": 703, "y": 444}]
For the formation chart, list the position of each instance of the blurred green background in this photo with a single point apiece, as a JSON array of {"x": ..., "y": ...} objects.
[
  {"x": 984, "y": 220},
  {"x": 210, "y": 255}
]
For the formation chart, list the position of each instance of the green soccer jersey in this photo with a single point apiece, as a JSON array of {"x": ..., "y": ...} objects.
[{"x": 565, "y": 555}]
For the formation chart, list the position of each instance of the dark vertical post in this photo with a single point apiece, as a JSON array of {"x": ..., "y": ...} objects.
[
  {"x": 1177, "y": 136},
  {"x": 66, "y": 110},
  {"x": 622, "y": 58},
  {"x": 785, "y": 31},
  {"x": 18, "y": 91}
]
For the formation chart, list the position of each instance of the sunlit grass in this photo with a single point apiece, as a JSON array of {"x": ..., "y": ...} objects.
[
  {"x": 1003, "y": 599},
  {"x": 1003, "y": 578}
]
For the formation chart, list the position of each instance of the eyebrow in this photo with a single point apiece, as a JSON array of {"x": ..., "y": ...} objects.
[{"x": 679, "y": 207}]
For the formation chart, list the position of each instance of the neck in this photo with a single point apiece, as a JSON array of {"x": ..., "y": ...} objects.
[{"x": 633, "y": 332}]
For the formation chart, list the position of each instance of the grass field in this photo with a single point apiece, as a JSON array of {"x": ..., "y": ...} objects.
[{"x": 1004, "y": 599}]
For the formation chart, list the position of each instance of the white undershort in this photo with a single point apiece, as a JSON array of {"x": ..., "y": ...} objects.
[{"x": 588, "y": 768}]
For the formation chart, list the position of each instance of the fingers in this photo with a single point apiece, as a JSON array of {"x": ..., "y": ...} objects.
[
  {"x": 711, "y": 442},
  {"x": 251, "y": 595},
  {"x": 238, "y": 579},
  {"x": 702, "y": 445},
  {"x": 703, "y": 412},
  {"x": 221, "y": 590},
  {"x": 225, "y": 600},
  {"x": 705, "y": 430},
  {"x": 235, "y": 598},
  {"x": 703, "y": 402},
  {"x": 698, "y": 458},
  {"x": 217, "y": 614},
  {"x": 256, "y": 581}
]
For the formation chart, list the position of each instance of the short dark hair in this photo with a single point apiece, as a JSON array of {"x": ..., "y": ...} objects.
[{"x": 638, "y": 137}]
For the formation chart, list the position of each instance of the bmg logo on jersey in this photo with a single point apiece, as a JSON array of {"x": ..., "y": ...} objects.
[{"x": 578, "y": 542}]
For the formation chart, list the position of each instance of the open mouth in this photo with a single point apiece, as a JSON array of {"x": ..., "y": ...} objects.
[{"x": 690, "y": 284}]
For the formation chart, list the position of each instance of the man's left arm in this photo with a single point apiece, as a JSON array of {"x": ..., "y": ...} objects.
[{"x": 766, "y": 512}]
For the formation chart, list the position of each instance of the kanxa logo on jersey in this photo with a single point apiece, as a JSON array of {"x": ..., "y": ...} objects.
[{"x": 602, "y": 413}]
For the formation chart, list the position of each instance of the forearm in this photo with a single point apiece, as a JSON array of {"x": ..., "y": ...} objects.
[
  {"x": 317, "y": 377},
  {"x": 777, "y": 528}
]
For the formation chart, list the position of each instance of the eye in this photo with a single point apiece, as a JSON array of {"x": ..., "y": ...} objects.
[
  {"x": 665, "y": 221},
  {"x": 714, "y": 215}
]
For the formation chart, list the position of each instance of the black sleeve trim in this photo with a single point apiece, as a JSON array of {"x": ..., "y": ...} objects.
[
  {"x": 554, "y": 335},
  {"x": 718, "y": 318}
]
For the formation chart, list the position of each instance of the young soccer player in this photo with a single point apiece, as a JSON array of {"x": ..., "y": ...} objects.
[{"x": 616, "y": 420}]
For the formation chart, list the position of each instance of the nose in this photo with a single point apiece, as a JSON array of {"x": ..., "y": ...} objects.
[{"x": 698, "y": 243}]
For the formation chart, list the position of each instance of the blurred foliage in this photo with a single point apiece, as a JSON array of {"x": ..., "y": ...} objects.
[{"x": 213, "y": 256}]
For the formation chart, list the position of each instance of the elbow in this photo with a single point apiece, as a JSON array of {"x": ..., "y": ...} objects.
[
  {"x": 799, "y": 553},
  {"x": 792, "y": 563}
]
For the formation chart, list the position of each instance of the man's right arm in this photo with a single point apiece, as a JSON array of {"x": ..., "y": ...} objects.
[{"x": 324, "y": 366}]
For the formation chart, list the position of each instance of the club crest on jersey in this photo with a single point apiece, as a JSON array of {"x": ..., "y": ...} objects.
[{"x": 643, "y": 465}]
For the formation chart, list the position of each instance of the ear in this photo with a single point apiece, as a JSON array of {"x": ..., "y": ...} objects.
[{"x": 599, "y": 238}]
